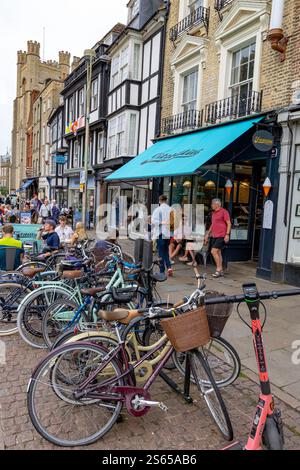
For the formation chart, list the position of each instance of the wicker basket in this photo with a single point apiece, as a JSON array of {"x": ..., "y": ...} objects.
[
  {"x": 188, "y": 331},
  {"x": 217, "y": 315}
]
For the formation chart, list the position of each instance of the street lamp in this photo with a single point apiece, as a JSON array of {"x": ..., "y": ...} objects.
[{"x": 89, "y": 55}]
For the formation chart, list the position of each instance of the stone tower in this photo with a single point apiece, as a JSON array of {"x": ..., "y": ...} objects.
[{"x": 32, "y": 76}]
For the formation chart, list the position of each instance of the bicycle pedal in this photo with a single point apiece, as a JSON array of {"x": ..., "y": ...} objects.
[{"x": 153, "y": 404}]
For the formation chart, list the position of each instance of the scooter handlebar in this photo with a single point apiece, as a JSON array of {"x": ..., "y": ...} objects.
[{"x": 233, "y": 299}]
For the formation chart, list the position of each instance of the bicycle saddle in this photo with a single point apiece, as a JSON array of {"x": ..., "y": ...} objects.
[
  {"x": 72, "y": 274},
  {"x": 119, "y": 314},
  {"x": 93, "y": 291},
  {"x": 31, "y": 272}
]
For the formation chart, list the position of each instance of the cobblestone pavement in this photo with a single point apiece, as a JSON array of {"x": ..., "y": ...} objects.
[{"x": 183, "y": 427}]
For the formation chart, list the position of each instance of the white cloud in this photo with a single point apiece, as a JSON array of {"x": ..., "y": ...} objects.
[{"x": 70, "y": 26}]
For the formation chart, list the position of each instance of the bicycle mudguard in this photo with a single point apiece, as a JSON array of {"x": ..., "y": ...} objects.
[{"x": 101, "y": 334}]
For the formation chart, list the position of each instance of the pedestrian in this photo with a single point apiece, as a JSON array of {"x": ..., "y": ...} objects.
[
  {"x": 219, "y": 232},
  {"x": 34, "y": 214},
  {"x": 36, "y": 202},
  {"x": 50, "y": 237},
  {"x": 80, "y": 234},
  {"x": 161, "y": 220},
  {"x": 64, "y": 231},
  {"x": 55, "y": 212},
  {"x": 45, "y": 211},
  {"x": 8, "y": 241}
]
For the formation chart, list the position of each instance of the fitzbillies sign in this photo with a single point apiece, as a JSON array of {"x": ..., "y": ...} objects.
[{"x": 263, "y": 141}]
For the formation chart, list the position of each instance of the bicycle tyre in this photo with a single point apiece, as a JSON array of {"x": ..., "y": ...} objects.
[
  {"x": 49, "y": 324},
  {"x": 179, "y": 361},
  {"x": 46, "y": 366},
  {"x": 14, "y": 329},
  {"x": 220, "y": 416},
  {"x": 32, "y": 334}
]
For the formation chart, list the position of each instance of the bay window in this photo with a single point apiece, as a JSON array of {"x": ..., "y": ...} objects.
[
  {"x": 120, "y": 138},
  {"x": 81, "y": 99},
  {"x": 100, "y": 147},
  {"x": 124, "y": 58},
  {"x": 114, "y": 72},
  {"x": 94, "y": 95}
]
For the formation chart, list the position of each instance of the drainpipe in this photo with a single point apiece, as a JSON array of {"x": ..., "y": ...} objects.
[{"x": 276, "y": 36}]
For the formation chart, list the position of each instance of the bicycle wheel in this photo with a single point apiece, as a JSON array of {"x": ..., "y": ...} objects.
[
  {"x": 32, "y": 265},
  {"x": 11, "y": 294},
  {"x": 31, "y": 311},
  {"x": 222, "y": 358},
  {"x": 53, "y": 409},
  {"x": 57, "y": 319},
  {"x": 211, "y": 394}
]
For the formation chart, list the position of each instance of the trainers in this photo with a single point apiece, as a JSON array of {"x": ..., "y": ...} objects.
[
  {"x": 170, "y": 272},
  {"x": 172, "y": 262}
]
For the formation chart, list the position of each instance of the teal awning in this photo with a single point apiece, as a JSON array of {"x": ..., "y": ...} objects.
[{"x": 183, "y": 154}]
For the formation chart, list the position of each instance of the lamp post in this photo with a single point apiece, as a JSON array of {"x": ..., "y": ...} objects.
[{"x": 89, "y": 54}]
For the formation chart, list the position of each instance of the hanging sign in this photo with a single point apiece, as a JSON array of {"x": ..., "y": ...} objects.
[
  {"x": 229, "y": 187},
  {"x": 267, "y": 187},
  {"x": 263, "y": 141},
  {"x": 268, "y": 215}
]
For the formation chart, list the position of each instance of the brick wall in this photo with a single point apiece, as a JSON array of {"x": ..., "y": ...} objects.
[{"x": 276, "y": 76}]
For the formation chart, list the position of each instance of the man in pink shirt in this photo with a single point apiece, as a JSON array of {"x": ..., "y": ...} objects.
[{"x": 220, "y": 234}]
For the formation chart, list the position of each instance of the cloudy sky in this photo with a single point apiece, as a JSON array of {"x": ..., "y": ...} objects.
[{"x": 71, "y": 25}]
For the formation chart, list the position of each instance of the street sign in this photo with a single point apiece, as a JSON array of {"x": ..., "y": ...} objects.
[
  {"x": 82, "y": 177},
  {"x": 60, "y": 159}
]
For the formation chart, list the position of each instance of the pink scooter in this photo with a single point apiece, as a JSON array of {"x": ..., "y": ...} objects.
[{"x": 267, "y": 426}]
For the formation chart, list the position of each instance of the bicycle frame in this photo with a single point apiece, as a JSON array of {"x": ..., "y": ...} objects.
[{"x": 129, "y": 390}]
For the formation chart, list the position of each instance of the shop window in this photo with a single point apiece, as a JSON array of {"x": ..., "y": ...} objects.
[
  {"x": 205, "y": 189},
  {"x": 182, "y": 190},
  {"x": 241, "y": 202}
]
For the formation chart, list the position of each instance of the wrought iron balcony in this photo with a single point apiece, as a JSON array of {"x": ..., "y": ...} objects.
[
  {"x": 233, "y": 107},
  {"x": 219, "y": 4},
  {"x": 201, "y": 15},
  {"x": 187, "y": 120}
]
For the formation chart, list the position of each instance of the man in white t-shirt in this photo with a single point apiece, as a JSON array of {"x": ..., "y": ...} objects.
[
  {"x": 64, "y": 232},
  {"x": 161, "y": 221}
]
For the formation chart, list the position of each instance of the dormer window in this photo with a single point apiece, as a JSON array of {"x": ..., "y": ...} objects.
[{"x": 134, "y": 9}]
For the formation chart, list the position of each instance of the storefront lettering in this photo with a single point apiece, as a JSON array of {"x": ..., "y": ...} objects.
[{"x": 165, "y": 157}]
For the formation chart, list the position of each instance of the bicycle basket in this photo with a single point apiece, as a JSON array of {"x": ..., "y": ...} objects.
[
  {"x": 217, "y": 315},
  {"x": 187, "y": 331}
]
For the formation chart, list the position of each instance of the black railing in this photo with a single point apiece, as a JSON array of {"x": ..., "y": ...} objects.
[
  {"x": 201, "y": 15},
  {"x": 192, "y": 119},
  {"x": 219, "y": 4},
  {"x": 233, "y": 107}
]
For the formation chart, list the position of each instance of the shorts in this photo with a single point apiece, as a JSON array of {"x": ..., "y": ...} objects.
[
  {"x": 176, "y": 242},
  {"x": 218, "y": 243}
]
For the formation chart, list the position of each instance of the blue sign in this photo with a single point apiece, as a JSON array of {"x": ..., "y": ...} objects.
[{"x": 60, "y": 159}]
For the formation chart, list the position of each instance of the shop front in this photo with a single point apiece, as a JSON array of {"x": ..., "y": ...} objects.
[
  {"x": 75, "y": 198},
  {"x": 222, "y": 162},
  {"x": 59, "y": 191}
]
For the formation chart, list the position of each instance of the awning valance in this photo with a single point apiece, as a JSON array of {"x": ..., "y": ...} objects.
[{"x": 183, "y": 154}]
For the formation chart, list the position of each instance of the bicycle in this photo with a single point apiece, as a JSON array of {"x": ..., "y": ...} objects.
[
  {"x": 95, "y": 383},
  {"x": 267, "y": 426}
]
